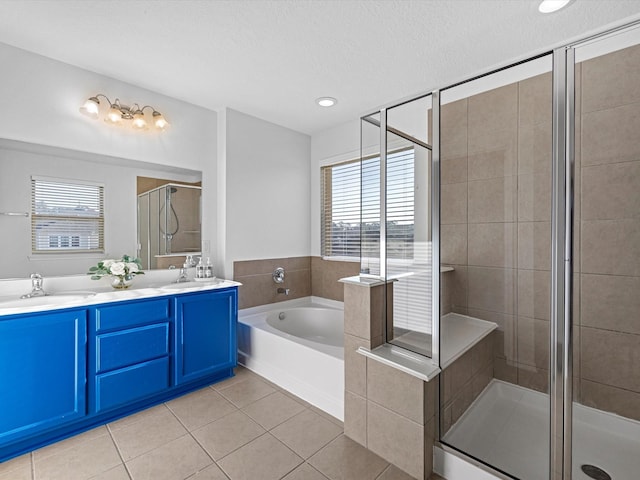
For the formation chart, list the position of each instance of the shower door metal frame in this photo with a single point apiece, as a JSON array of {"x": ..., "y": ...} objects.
[
  {"x": 434, "y": 184},
  {"x": 561, "y": 320}
]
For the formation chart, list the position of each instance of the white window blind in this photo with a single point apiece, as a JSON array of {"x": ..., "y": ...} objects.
[
  {"x": 351, "y": 207},
  {"x": 66, "y": 216}
]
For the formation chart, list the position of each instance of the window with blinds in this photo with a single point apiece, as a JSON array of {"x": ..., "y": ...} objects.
[
  {"x": 66, "y": 216},
  {"x": 351, "y": 207}
]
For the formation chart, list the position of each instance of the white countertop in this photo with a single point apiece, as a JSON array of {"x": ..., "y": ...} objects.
[{"x": 78, "y": 291}]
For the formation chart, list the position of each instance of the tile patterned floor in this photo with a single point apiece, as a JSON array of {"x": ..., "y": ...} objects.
[{"x": 244, "y": 428}]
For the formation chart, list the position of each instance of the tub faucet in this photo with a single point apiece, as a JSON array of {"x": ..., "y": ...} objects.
[
  {"x": 36, "y": 287},
  {"x": 282, "y": 290}
]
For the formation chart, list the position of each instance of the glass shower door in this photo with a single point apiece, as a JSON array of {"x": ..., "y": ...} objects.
[
  {"x": 495, "y": 235},
  {"x": 606, "y": 317}
]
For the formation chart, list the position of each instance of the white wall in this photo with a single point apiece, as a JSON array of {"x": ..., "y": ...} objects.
[
  {"x": 20, "y": 161},
  {"x": 39, "y": 102},
  {"x": 266, "y": 190}
]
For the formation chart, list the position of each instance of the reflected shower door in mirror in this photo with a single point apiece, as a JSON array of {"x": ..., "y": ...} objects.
[
  {"x": 496, "y": 155},
  {"x": 20, "y": 161},
  {"x": 169, "y": 219}
]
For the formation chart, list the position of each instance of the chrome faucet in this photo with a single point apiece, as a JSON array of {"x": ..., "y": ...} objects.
[
  {"x": 182, "y": 276},
  {"x": 282, "y": 290},
  {"x": 36, "y": 287}
]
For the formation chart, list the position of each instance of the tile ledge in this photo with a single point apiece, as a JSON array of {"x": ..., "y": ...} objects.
[
  {"x": 404, "y": 360},
  {"x": 366, "y": 281}
]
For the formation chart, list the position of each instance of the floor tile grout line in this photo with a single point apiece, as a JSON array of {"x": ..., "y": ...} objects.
[
  {"x": 244, "y": 445},
  {"x": 209, "y": 455},
  {"x": 190, "y": 433},
  {"x": 166, "y": 404},
  {"x": 118, "y": 450}
]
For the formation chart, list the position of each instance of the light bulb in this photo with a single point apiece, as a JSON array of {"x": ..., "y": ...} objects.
[
  {"x": 114, "y": 115},
  {"x": 159, "y": 121},
  {"x": 326, "y": 101},
  {"x": 90, "y": 108},
  {"x": 139, "y": 121},
  {"x": 550, "y": 6}
]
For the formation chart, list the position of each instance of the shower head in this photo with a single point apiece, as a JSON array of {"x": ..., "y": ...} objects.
[{"x": 173, "y": 190}]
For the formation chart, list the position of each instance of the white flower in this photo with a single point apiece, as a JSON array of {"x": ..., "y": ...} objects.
[
  {"x": 133, "y": 267},
  {"x": 117, "y": 268},
  {"x": 107, "y": 263}
]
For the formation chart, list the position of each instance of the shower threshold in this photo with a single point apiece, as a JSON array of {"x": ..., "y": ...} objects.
[{"x": 507, "y": 427}]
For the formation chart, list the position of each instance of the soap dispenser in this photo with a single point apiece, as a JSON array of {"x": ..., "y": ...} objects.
[
  {"x": 208, "y": 269},
  {"x": 200, "y": 269}
]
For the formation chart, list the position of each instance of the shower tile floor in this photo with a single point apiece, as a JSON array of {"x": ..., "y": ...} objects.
[
  {"x": 244, "y": 428},
  {"x": 508, "y": 426}
]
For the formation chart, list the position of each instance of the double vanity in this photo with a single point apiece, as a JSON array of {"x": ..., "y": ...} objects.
[{"x": 79, "y": 358}]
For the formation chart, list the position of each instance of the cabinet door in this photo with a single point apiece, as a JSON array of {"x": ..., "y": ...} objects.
[
  {"x": 205, "y": 334},
  {"x": 42, "y": 370}
]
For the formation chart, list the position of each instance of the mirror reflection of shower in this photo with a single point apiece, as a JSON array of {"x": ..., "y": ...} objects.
[
  {"x": 172, "y": 219},
  {"x": 169, "y": 219}
]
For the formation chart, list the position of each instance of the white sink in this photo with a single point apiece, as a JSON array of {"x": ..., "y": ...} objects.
[
  {"x": 54, "y": 299},
  {"x": 190, "y": 284}
]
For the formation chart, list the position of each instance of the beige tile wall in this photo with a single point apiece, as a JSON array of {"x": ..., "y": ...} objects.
[
  {"x": 258, "y": 287},
  {"x": 325, "y": 275},
  {"x": 464, "y": 380},
  {"x": 496, "y": 174},
  {"x": 608, "y": 339},
  {"x": 304, "y": 276},
  {"x": 496, "y": 178},
  {"x": 387, "y": 411}
]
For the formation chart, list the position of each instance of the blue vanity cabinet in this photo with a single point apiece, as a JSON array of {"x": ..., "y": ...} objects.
[
  {"x": 65, "y": 371},
  {"x": 205, "y": 340},
  {"x": 42, "y": 372},
  {"x": 129, "y": 352}
]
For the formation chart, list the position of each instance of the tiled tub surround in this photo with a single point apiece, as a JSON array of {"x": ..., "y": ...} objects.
[
  {"x": 304, "y": 276},
  {"x": 496, "y": 178}
]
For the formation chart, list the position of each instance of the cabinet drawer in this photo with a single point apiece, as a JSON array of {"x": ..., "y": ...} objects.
[
  {"x": 130, "y": 314},
  {"x": 126, "y": 347},
  {"x": 132, "y": 383}
]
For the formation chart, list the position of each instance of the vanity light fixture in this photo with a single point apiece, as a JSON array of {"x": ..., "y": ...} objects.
[
  {"x": 550, "y": 6},
  {"x": 119, "y": 114},
  {"x": 326, "y": 101}
]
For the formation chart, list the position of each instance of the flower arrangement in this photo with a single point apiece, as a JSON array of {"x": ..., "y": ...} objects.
[{"x": 123, "y": 270}]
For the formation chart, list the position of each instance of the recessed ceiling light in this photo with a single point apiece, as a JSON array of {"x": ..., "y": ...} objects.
[
  {"x": 550, "y": 6},
  {"x": 326, "y": 101}
]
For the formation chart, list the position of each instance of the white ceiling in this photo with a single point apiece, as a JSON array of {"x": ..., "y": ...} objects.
[{"x": 271, "y": 59}]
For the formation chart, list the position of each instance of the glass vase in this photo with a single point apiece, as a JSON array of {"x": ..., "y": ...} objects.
[{"x": 120, "y": 282}]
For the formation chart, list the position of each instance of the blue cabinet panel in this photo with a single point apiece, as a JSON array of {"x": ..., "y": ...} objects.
[
  {"x": 42, "y": 370},
  {"x": 205, "y": 334},
  {"x": 129, "y": 314},
  {"x": 132, "y": 383},
  {"x": 126, "y": 347}
]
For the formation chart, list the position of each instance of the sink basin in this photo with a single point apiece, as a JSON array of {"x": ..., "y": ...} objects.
[
  {"x": 190, "y": 284},
  {"x": 54, "y": 299}
]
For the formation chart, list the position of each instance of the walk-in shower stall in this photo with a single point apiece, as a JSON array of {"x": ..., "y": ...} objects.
[
  {"x": 514, "y": 198},
  {"x": 169, "y": 221}
]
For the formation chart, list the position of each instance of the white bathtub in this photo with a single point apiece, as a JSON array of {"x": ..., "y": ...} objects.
[{"x": 297, "y": 344}]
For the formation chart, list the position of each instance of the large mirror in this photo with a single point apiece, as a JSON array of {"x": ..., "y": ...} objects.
[{"x": 122, "y": 181}]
